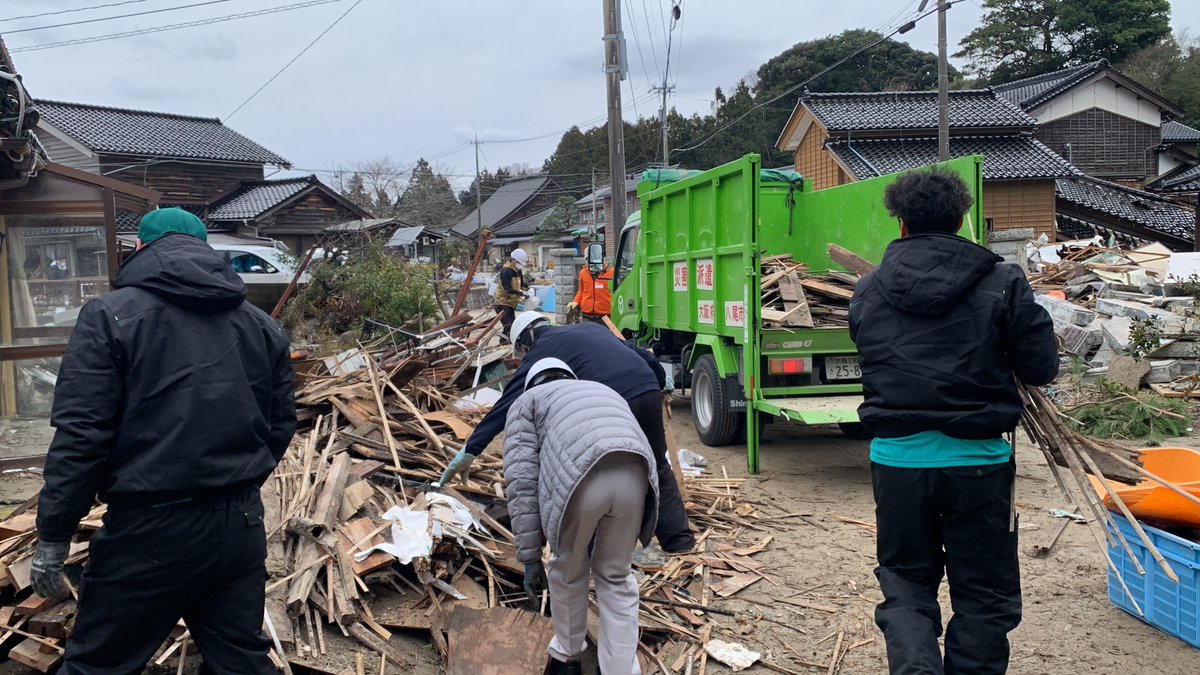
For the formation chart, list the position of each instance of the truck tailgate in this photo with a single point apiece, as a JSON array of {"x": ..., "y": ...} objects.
[{"x": 815, "y": 409}]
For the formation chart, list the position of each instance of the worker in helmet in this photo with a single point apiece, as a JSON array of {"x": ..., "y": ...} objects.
[
  {"x": 593, "y": 298},
  {"x": 508, "y": 288},
  {"x": 593, "y": 353},
  {"x": 577, "y": 485}
]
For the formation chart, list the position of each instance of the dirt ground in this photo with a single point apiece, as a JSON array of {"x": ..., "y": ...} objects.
[{"x": 1069, "y": 627}]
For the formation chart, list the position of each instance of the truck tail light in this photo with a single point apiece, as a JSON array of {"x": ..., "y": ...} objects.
[{"x": 788, "y": 366}]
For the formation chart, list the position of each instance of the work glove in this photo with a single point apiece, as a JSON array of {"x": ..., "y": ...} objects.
[
  {"x": 535, "y": 582},
  {"x": 46, "y": 573},
  {"x": 572, "y": 306},
  {"x": 459, "y": 466}
]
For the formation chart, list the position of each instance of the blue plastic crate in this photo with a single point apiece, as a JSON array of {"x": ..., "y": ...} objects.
[{"x": 1171, "y": 607}]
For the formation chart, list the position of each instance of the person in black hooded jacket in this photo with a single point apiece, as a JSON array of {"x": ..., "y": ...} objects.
[
  {"x": 943, "y": 330},
  {"x": 173, "y": 405}
]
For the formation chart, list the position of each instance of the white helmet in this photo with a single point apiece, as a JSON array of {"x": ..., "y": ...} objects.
[
  {"x": 523, "y": 322},
  {"x": 520, "y": 257},
  {"x": 544, "y": 366}
]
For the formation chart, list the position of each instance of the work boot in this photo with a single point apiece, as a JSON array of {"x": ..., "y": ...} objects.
[{"x": 564, "y": 667}]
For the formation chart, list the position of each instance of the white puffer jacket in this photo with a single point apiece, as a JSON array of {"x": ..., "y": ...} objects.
[{"x": 555, "y": 434}]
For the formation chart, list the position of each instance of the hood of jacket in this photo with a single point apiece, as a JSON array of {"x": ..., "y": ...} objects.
[
  {"x": 928, "y": 273},
  {"x": 185, "y": 272}
]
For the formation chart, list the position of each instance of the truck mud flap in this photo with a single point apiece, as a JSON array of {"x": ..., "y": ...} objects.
[{"x": 734, "y": 384}]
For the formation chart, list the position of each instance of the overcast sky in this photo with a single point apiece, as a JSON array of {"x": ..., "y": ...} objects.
[{"x": 404, "y": 79}]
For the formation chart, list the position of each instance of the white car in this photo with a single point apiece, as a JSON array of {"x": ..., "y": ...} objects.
[{"x": 265, "y": 270}]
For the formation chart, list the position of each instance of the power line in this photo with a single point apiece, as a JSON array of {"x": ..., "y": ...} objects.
[
  {"x": 116, "y": 16},
  {"x": 715, "y": 132},
  {"x": 70, "y": 11},
  {"x": 177, "y": 26},
  {"x": 294, "y": 58},
  {"x": 637, "y": 43},
  {"x": 650, "y": 38}
]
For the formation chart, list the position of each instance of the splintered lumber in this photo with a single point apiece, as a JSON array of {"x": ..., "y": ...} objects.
[
  {"x": 324, "y": 514},
  {"x": 498, "y": 640},
  {"x": 827, "y": 289},
  {"x": 34, "y": 604},
  {"x": 29, "y": 653},
  {"x": 851, "y": 261},
  {"x": 18, "y": 525}
]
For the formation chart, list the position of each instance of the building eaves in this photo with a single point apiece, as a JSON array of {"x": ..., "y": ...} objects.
[
  {"x": 914, "y": 110},
  {"x": 507, "y": 199},
  {"x": 1030, "y": 92},
  {"x": 531, "y": 224},
  {"x": 154, "y": 134},
  {"x": 1178, "y": 132},
  {"x": 254, "y": 198},
  {"x": 1137, "y": 207},
  {"x": 1005, "y": 157},
  {"x": 1184, "y": 179}
]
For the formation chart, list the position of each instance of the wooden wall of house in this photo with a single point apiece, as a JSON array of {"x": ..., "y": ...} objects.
[
  {"x": 1104, "y": 144},
  {"x": 67, "y": 155},
  {"x": 193, "y": 182},
  {"x": 812, "y": 161},
  {"x": 299, "y": 223},
  {"x": 1017, "y": 204}
]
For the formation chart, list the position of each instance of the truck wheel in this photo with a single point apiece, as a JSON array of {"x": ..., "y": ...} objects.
[
  {"x": 856, "y": 430},
  {"x": 710, "y": 405}
]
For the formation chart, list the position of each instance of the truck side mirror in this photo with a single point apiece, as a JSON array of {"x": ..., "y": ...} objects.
[{"x": 595, "y": 254}]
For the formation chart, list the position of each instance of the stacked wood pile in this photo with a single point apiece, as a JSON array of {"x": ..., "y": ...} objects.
[
  {"x": 792, "y": 297},
  {"x": 363, "y": 553}
]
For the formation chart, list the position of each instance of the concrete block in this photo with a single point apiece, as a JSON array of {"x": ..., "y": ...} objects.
[
  {"x": 1126, "y": 372},
  {"x": 1066, "y": 312},
  {"x": 1163, "y": 371},
  {"x": 1177, "y": 349},
  {"x": 1021, "y": 234},
  {"x": 1128, "y": 309},
  {"x": 1188, "y": 367},
  {"x": 1103, "y": 356},
  {"x": 1117, "y": 332},
  {"x": 1080, "y": 340}
]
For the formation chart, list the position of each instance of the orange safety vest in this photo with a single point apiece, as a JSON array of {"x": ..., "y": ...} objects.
[{"x": 593, "y": 296}]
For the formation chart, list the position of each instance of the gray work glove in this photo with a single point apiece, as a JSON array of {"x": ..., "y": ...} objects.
[
  {"x": 46, "y": 573},
  {"x": 459, "y": 466},
  {"x": 535, "y": 582}
]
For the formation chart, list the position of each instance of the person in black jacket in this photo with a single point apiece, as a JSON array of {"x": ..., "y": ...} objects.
[
  {"x": 593, "y": 353},
  {"x": 942, "y": 328},
  {"x": 174, "y": 404}
]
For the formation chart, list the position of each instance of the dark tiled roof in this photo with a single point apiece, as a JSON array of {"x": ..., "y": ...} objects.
[
  {"x": 254, "y": 198},
  {"x": 1139, "y": 208},
  {"x": 1178, "y": 132},
  {"x": 906, "y": 110},
  {"x": 139, "y": 132},
  {"x": 1004, "y": 157},
  {"x": 504, "y": 201},
  {"x": 531, "y": 224},
  {"x": 1185, "y": 180},
  {"x": 1033, "y": 91}
]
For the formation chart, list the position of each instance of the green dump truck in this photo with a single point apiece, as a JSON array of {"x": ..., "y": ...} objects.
[{"x": 688, "y": 277}]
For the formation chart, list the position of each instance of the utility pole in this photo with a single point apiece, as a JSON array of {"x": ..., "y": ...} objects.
[
  {"x": 478, "y": 193},
  {"x": 592, "y": 226},
  {"x": 665, "y": 88},
  {"x": 943, "y": 88},
  {"x": 614, "y": 71}
]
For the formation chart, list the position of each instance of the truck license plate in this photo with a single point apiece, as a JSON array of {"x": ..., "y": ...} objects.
[{"x": 842, "y": 368}]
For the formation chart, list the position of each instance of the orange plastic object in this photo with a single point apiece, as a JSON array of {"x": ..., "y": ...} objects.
[
  {"x": 1154, "y": 503},
  {"x": 1057, "y": 295}
]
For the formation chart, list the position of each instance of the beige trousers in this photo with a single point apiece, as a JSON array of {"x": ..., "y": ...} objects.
[{"x": 607, "y": 504}]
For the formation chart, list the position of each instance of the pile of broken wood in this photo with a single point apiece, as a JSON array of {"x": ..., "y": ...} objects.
[
  {"x": 365, "y": 557},
  {"x": 792, "y": 297}
]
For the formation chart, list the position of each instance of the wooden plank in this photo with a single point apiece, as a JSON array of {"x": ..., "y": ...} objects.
[
  {"x": 355, "y": 532},
  {"x": 18, "y": 573},
  {"x": 736, "y": 583},
  {"x": 54, "y": 622},
  {"x": 29, "y": 653},
  {"x": 827, "y": 289},
  {"x": 498, "y": 641},
  {"x": 17, "y": 525},
  {"x": 353, "y": 499},
  {"x": 461, "y": 429},
  {"x": 795, "y": 302},
  {"x": 1043, "y": 546},
  {"x": 851, "y": 261},
  {"x": 1167, "y": 391},
  {"x": 34, "y": 604}
]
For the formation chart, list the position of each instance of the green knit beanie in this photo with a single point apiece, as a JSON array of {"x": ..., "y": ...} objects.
[{"x": 162, "y": 222}]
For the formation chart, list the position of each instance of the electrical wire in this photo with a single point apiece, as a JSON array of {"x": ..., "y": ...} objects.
[
  {"x": 116, "y": 16},
  {"x": 713, "y": 134},
  {"x": 176, "y": 26},
  {"x": 294, "y": 58},
  {"x": 70, "y": 11},
  {"x": 650, "y": 39},
  {"x": 637, "y": 43}
]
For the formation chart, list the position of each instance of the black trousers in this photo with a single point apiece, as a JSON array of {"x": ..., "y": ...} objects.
[
  {"x": 672, "y": 530},
  {"x": 953, "y": 520},
  {"x": 507, "y": 316},
  {"x": 148, "y": 567}
]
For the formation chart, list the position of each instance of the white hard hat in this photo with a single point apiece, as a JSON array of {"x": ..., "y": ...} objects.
[
  {"x": 524, "y": 321},
  {"x": 544, "y": 365},
  {"x": 520, "y": 257}
]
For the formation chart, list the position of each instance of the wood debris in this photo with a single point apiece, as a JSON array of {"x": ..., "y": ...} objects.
[
  {"x": 360, "y": 544},
  {"x": 792, "y": 297}
]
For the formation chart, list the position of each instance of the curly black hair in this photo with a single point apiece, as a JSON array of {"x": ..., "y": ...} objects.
[{"x": 932, "y": 200}]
